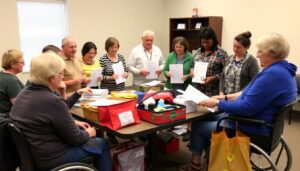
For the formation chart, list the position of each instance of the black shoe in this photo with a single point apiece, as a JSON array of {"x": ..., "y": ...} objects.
[
  {"x": 143, "y": 138},
  {"x": 186, "y": 136},
  {"x": 112, "y": 139}
]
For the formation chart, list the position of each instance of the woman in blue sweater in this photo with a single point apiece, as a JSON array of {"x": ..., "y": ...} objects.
[{"x": 261, "y": 99}]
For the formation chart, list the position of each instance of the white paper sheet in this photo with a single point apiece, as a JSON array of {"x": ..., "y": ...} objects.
[
  {"x": 119, "y": 70},
  {"x": 152, "y": 83},
  {"x": 126, "y": 118},
  {"x": 176, "y": 73},
  {"x": 96, "y": 94},
  {"x": 94, "y": 78},
  {"x": 191, "y": 93},
  {"x": 152, "y": 66},
  {"x": 200, "y": 70},
  {"x": 104, "y": 102}
]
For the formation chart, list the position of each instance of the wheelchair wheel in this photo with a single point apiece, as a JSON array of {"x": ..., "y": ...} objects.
[
  {"x": 280, "y": 157},
  {"x": 76, "y": 166}
]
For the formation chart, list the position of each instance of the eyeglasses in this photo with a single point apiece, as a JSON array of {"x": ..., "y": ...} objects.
[{"x": 21, "y": 63}]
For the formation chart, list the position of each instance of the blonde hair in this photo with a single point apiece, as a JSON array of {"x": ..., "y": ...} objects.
[
  {"x": 10, "y": 57},
  {"x": 44, "y": 66},
  {"x": 274, "y": 44}
]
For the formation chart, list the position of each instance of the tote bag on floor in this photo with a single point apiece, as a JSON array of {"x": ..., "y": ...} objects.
[{"x": 229, "y": 154}]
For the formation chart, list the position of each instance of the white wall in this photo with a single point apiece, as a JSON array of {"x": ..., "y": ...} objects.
[
  {"x": 95, "y": 21},
  {"x": 258, "y": 16},
  {"x": 98, "y": 19}
]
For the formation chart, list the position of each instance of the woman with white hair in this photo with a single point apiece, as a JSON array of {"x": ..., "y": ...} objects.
[
  {"x": 260, "y": 99},
  {"x": 44, "y": 118}
]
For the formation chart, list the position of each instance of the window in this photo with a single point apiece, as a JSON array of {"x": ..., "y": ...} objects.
[{"x": 40, "y": 23}]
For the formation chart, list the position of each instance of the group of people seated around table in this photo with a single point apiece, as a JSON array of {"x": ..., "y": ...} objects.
[{"x": 234, "y": 84}]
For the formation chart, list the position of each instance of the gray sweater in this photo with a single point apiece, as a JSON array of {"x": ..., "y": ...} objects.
[
  {"x": 249, "y": 70},
  {"x": 47, "y": 124}
]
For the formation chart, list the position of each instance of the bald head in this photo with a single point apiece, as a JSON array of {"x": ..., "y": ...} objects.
[{"x": 69, "y": 47}]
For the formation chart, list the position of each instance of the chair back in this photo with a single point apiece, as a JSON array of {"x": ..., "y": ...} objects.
[
  {"x": 278, "y": 124},
  {"x": 23, "y": 148}
]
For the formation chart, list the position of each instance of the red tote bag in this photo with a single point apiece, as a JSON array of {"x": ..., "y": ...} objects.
[{"x": 119, "y": 115}]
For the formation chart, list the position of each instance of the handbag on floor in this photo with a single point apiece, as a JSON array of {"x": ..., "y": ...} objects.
[
  {"x": 128, "y": 156},
  {"x": 229, "y": 153}
]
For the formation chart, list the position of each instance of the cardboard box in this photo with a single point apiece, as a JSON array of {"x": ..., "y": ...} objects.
[
  {"x": 168, "y": 147},
  {"x": 90, "y": 112},
  {"x": 144, "y": 88}
]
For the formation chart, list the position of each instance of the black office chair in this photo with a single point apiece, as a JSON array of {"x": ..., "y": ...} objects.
[
  {"x": 26, "y": 159},
  {"x": 297, "y": 77},
  {"x": 262, "y": 153}
]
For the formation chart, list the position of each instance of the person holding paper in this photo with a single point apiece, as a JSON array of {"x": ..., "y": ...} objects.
[
  {"x": 260, "y": 99},
  {"x": 215, "y": 57},
  {"x": 240, "y": 68},
  {"x": 181, "y": 56},
  {"x": 143, "y": 58},
  {"x": 73, "y": 73},
  {"x": 107, "y": 61},
  {"x": 89, "y": 64},
  {"x": 54, "y": 136}
]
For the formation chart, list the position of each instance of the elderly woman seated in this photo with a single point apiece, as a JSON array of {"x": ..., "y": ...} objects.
[
  {"x": 261, "y": 99},
  {"x": 44, "y": 118}
]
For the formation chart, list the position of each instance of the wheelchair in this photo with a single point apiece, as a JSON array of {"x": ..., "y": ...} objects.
[
  {"x": 274, "y": 155},
  {"x": 26, "y": 158}
]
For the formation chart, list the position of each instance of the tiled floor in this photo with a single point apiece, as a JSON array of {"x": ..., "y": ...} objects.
[{"x": 291, "y": 135}]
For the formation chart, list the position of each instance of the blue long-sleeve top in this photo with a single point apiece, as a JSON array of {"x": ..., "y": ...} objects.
[{"x": 273, "y": 87}]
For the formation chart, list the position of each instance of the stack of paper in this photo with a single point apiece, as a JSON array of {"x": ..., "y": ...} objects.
[{"x": 96, "y": 94}]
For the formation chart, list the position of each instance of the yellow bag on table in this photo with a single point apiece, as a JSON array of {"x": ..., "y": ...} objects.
[
  {"x": 123, "y": 95},
  {"x": 229, "y": 154}
]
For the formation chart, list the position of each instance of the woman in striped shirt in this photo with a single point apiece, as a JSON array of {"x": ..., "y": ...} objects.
[{"x": 107, "y": 61}]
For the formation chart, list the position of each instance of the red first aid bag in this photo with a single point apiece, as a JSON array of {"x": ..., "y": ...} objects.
[{"x": 119, "y": 115}]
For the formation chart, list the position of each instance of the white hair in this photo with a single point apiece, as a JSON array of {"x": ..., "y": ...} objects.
[{"x": 148, "y": 33}]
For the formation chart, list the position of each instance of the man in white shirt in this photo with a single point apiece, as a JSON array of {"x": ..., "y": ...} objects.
[{"x": 141, "y": 55}]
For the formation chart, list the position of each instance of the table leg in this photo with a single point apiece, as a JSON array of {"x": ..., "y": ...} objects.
[{"x": 151, "y": 151}]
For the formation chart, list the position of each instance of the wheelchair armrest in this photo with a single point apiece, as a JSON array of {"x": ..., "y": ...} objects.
[{"x": 244, "y": 120}]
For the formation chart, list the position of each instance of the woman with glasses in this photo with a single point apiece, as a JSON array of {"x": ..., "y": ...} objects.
[
  {"x": 10, "y": 85},
  {"x": 44, "y": 118}
]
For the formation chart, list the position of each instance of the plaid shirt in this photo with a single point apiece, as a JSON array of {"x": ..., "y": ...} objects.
[{"x": 216, "y": 62}]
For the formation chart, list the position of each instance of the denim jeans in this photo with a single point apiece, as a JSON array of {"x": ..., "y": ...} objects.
[
  {"x": 201, "y": 133},
  {"x": 102, "y": 162}
]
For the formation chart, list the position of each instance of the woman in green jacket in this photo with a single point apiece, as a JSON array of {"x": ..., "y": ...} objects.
[{"x": 180, "y": 55}]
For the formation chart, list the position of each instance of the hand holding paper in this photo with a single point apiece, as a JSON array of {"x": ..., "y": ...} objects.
[
  {"x": 191, "y": 93},
  {"x": 119, "y": 70},
  {"x": 94, "y": 78},
  {"x": 177, "y": 73},
  {"x": 200, "y": 70}
]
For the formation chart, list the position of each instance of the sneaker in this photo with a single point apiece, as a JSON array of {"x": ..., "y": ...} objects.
[
  {"x": 143, "y": 138},
  {"x": 189, "y": 167},
  {"x": 186, "y": 136}
]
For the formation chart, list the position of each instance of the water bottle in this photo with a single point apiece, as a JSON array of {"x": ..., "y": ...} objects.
[{"x": 161, "y": 103}]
